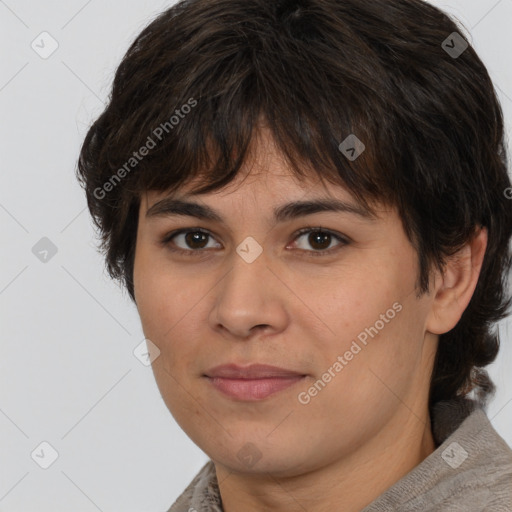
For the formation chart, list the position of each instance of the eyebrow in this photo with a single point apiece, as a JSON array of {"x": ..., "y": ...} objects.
[{"x": 169, "y": 206}]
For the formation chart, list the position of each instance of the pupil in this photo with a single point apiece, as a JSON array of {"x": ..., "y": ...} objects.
[
  {"x": 193, "y": 237},
  {"x": 313, "y": 237}
]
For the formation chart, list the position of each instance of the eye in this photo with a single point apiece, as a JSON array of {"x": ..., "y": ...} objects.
[
  {"x": 320, "y": 239},
  {"x": 194, "y": 239}
]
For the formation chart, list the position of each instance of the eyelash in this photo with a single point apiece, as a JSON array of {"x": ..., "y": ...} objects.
[{"x": 166, "y": 241}]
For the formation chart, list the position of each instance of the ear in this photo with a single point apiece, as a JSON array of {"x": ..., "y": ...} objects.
[{"x": 454, "y": 288}]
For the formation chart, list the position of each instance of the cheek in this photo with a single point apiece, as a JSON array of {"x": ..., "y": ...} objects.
[
  {"x": 154, "y": 296},
  {"x": 161, "y": 292},
  {"x": 168, "y": 305},
  {"x": 163, "y": 306},
  {"x": 352, "y": 300},
  {"x": 370, "y": 310}
]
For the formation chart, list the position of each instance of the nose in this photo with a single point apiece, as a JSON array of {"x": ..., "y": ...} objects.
[{"x": 249, "y": 299}]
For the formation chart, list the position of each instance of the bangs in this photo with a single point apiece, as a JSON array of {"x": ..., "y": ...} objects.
[{"x": 201, "y": 126}]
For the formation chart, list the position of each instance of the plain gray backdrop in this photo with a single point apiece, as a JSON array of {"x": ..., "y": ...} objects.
[{"x": 69, "y": 377}]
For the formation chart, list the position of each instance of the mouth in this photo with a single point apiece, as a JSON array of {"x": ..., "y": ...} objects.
[
  {"x": 253, "y": 389},
  {"x": 253, "y": 382}
]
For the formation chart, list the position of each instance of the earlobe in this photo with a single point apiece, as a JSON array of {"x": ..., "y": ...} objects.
[{"x": 457, "y": 284}]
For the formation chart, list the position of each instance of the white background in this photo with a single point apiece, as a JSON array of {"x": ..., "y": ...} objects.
[{"x": 67, "y": 372}]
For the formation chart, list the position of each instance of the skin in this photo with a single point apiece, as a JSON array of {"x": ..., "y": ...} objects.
[{"x": 369, "y": 426}]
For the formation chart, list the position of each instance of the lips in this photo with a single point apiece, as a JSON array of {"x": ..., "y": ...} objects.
[
  {"x": 253, "y": 371},
  {"x": 254, "y": 382}
]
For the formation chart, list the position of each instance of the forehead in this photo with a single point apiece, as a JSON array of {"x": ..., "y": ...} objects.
[
  {"x": 263, "y": 181},
  {"x": 263, "y": 185}
]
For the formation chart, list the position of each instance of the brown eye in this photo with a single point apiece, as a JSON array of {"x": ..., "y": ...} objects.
[
  {"x": 318, "y": 241},
  {"x": 187, "y": 241},
  {"x": 196, "y": 239}
]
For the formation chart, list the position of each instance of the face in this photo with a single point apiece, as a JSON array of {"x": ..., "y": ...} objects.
[{"x": 335, "y": 304}]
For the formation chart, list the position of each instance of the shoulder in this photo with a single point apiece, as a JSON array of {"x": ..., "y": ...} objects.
[
  {"x": 202, "y": 494},
  {"x": 471, "y": 470}
]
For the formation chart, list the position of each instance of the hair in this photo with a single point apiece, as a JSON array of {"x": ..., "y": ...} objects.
[{"x": 198, "y": 81}]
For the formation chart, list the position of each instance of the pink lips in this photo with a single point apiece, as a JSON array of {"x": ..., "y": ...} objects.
[{"x": 253, "y": 382}]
